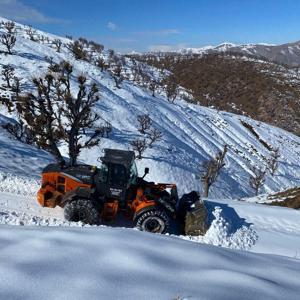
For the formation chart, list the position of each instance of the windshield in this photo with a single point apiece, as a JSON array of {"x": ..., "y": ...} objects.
[
  {"x": 133, "y": 174},
  {"x": 118, "y": 176},
  {"x": 103, "y": 173}
]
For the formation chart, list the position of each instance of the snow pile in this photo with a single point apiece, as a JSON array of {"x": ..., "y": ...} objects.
[
  {"x": 219, "y": 234},
  {"x": 18, "y": 185},
  {"x": 23, "y": 219},
  {"x": 110, "y": 263}
]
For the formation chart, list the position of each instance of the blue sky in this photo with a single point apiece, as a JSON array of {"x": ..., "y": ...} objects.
[{"x": 144, "y": 25}]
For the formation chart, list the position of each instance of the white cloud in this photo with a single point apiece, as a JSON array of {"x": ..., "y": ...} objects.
[
  {"x": 111, "y": 26},
  {"x": 17, "y": 11},
  {"x": 166, "y": 47}
]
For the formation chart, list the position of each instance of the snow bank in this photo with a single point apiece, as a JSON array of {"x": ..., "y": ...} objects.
[
  {"x": 23, "y": 219},
  {"x": 110, "y": 263},
  {"x": 219, "y": 234},
  {"x": 18, "y": 185}
]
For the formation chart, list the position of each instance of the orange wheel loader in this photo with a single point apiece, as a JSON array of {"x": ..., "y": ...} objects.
[{"x": 96, "y": 195}]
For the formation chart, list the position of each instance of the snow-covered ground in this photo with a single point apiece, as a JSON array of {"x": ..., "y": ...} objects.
[
  {"x": 252, "y": 250},
  {"x": 55, "y": 259},
  {"x": 111, "y": 263}
]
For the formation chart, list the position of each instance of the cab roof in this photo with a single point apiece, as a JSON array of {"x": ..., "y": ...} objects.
[{"x": 116, "y": 156}]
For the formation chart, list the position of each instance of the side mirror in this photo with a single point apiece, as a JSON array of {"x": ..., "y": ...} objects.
[{"x": 146, "y": 172}]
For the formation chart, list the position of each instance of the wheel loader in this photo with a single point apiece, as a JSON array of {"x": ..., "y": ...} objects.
[{"x": 97, "y": 195}]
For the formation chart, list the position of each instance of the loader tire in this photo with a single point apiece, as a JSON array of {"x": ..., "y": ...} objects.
[
  {"x": 82, "y": 210},
  {"x": 152, "y": 220}
]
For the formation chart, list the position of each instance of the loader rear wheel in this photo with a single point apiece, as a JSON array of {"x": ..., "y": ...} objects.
[
  {"x": 81, "y": 210},
  {"x": 153, "y": 220}
]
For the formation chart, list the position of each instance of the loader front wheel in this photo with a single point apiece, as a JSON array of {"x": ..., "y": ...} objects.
[
  {"x": 82, "y": 210},
  {"x": 152, "y": 220}
]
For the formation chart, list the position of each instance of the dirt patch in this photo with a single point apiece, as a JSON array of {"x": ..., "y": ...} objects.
[{"x": 289, "y": 198}]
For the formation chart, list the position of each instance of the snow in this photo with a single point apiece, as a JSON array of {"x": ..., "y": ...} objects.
[
  {"x": 232, "y": 224},
  {"x": 54, "y": 258},
  {"x": 249, "y": 251},
  {"x": 110, "y": 263}
]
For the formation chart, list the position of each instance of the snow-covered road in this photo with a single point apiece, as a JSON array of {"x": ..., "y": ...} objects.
[
  {"x": 55, "y": 259},
  {"x": 234, "y": 224},
  {"x": 115, "y": 263}
]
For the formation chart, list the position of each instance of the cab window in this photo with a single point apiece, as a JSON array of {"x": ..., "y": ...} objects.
[
  {"x": 103, "y": 173},
  {"x": 133, "y": 174},
  {"x": 118, "y": 176}
]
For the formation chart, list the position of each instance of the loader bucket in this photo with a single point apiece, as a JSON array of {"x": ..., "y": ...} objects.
[{"x": 196, "y": 220}]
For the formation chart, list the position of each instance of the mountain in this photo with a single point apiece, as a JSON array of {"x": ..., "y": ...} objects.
[
  {"x": 238, "y": 83},
  {"x": 286, "y": 54}
]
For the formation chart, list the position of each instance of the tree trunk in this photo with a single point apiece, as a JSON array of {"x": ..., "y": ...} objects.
[
  {"x": 205, "y": 188},
  {"x": 55, "y": 151}
]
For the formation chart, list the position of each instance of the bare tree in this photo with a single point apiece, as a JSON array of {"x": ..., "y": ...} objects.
[
  {"x": 100, "y": 62},
  {"x": 54, "y": 114},
  {"x": 57, "y": 44},
  {"x": 16, "y": 87},
  {"x": 153, "y": 86},
  {"x": 257, "y": 179},
  {"x": 77, "y": 49},
  {"x": 40, "y": 111},
  {"x": 31, "y": 32},
  {"x": 49, "y": 60},
  {"x": 145, "y": 123},
  {"x": 172, "y": 88},
  {"x": 210, "y": 170},
  {"x": 41, "y": 38},
  {"x": 108, "y": 129},
  {"x": 154, "y": 135},
  {"x": 8, "y": 73},
  {"x": 117, "y": 74},
  {"x": 105, "y": 129},
  {"x": 96, "y": 47},
  {"x": 20, "y": 131},
  {"x": 139, "y": 146},
  {"x": 9, "y": 41},
  {"x": 273, "y": 161},
  {"x": 111, "y": 56},
  {"x": 6, "y": 101},
  {"x": 10, "y": 27}
]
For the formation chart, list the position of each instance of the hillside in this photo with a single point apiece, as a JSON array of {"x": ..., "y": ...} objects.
[
  {"x": 191, "y": 133},
  {"x": 238, "y": 83}
]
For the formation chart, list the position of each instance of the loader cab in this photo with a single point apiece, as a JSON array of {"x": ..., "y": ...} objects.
[{"x": 117, "y": 172}]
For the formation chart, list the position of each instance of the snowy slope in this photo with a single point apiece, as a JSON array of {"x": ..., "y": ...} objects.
[
  {"x": 109, "y": 263},
  {"x": 191, "y": 134}
]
